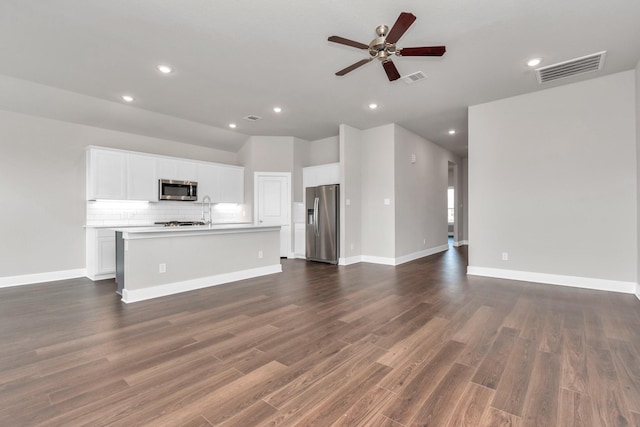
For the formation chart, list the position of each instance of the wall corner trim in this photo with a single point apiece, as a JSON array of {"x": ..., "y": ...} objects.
[
  {"x": 49, "y": 276},
  {"x": 555, "y": 279}
]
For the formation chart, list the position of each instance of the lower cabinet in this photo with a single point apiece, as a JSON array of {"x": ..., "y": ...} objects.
[{"x": 101, "y": 253}]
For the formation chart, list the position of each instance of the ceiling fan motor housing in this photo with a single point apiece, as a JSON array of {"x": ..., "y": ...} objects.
[{"x": 379, "y": 48}]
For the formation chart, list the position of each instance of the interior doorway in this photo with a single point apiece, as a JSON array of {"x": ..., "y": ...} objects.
[
  {"x": 452, "y": 204},
  {"x": 272, "y": 205}
]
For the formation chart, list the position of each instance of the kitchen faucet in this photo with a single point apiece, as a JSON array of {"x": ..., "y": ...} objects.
[{"x": 207, "y": 199}]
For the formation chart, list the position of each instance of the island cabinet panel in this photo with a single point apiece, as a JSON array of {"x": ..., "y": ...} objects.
[
  {"x": 158, "y": 262},
  {"x": 106, "y": 175}
]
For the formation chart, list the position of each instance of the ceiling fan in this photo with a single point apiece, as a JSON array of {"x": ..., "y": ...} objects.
[{"x": 383, "y": 46}]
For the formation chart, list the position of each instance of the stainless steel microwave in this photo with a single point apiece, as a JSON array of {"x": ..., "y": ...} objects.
[{"x": 171, "y": 189}]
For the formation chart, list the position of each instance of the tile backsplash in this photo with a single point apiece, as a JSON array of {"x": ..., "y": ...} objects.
[{"x": 121, "y": 213}]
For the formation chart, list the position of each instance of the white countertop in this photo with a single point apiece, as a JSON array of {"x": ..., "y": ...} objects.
[{"x": 161, "y": 231}]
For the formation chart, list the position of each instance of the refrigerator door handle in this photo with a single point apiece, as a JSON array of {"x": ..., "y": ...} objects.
[{"x": 316, "y": 202}]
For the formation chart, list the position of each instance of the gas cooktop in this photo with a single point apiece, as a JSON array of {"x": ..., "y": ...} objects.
[{"x": 180, "y": 223}]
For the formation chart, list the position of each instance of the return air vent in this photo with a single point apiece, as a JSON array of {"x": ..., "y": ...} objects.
[
  {"x": 253, "y": 118},
  {"x": 414, "y": 77},
  {"x": 573, "y": 67}
]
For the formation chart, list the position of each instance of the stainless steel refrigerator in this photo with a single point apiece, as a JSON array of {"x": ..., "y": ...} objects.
[{"x": 323, "y": 229}]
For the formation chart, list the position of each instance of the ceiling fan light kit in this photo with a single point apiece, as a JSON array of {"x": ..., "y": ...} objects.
[{"x": 383, "y": 46}]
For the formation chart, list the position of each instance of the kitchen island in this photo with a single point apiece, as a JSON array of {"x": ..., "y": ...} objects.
[{"x": 153, "y": 262}]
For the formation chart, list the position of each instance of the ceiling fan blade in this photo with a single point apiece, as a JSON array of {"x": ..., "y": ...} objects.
[
  {"x": 353, "y": 66},
  {"x": 342, "y": 40},
  {"x": 402, "y": 24},
  {"x": 422, "y": 51},
  {"x": 391, "y": 70}
]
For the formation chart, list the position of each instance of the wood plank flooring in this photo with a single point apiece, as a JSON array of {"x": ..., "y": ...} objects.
[{"x": 419, "y": 344}]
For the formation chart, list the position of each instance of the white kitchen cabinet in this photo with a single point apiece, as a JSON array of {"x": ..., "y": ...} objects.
[
  {"x": 106, "y": 175},
  {"x": 119, "y": 175},
  {"x": 231, "y": 184},
  {"x": 181, "y": 170},
  {"x": 208, "y": 182},
  {"x": 224, "y": 184},
  {"x": 142, "y": 177},
  {"x": 101, "y": 253},
  {"x": 126, "y": 175}
]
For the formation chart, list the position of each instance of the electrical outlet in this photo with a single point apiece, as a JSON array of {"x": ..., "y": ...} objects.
[
  {"x": 352, "y": 246},
  {"x": 260, "y": 254},
  {"x": 348, "y": 202},
  {"x": 387, "y": 202},
  {"x": 505, "y": 256},
  {"x": 424, "y": 241},
  {"x": 162, "y": 268}
]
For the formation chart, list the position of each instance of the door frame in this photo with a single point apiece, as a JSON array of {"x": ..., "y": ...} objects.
[{"x": 285, "y": 233}]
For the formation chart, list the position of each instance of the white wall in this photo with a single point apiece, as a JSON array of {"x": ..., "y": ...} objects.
[
  {"x": 420, "y": 193},
  {"x": 553, "y": 182},
  {"x": 377, "y": 180},
  {"x": 42, "y": 188},
  {"x": 264, "y": 154},
  {"x": 465, "y": 200},
  {"x": 637, "y": 81},
  {"x": 323, "y": 151},
  {"x": 351, "y": 190}
]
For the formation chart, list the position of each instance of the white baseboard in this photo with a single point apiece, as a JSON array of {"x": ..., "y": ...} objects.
[
  {"x": 49, "y": 276},
  {"x": 350, "y": 260},
  {"x": 421, "y": 254},
  {"x": 97, "y": 277},
  {"x": 638, "y": 290},
  {"x": 135, "y": 295},
  {"x": 555, "y": 279},
  {"x": 377, "y": 260},
  {"x": 394, "y": 261},
  {"x": 461, "y": 243}
]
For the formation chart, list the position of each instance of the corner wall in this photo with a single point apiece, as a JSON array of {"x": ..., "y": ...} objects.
[
  {"x": 350, "y": 195},
  {"x": 553, "y": 184},
  {"x": 377, "y": 178}
]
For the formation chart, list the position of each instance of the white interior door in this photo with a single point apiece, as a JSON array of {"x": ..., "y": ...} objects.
[{"x": 273, "y": 205}]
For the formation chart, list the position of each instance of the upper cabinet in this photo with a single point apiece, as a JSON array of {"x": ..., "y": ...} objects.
[
  {"x": 142, "y": 177},
  {"x": 223, "y": 184},
  {"x": 106, "y": 175},
  {"x": 178, "y": 169},
  {"x": 123, "y": 175},
  {"x": 231, "y": 182}
]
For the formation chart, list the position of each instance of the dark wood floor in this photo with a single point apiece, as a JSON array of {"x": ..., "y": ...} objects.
[{"x": 363, "y": 345}]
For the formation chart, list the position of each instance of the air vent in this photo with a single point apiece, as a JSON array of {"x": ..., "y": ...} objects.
[
  {"x": 414, "y": 77},
  {"x": 573, "y": 67},
  {"x": 253, "y": 118}
]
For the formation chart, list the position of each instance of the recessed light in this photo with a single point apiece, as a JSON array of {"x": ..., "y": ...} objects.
[
  {"x": 452, "y": 131},
  {"x": 127, "y": 98},
  {"x": 373, "y": 106},
  {"x": 277, "y": 109},
  {"x": 533, "y": 62},
  {"x": 232, "y": 125},
  {"x": 164, "y": 69}
]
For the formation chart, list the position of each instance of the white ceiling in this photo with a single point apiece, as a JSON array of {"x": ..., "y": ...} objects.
[{"x": 242, "y": 57}]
